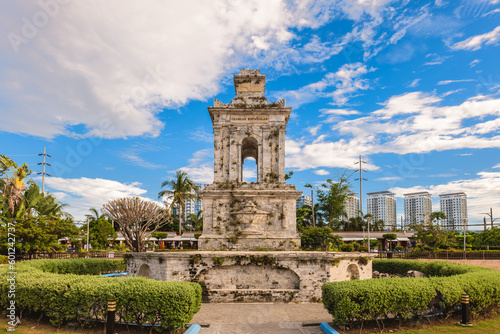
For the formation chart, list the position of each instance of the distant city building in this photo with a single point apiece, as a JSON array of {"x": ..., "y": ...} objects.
[
  {"x": 351, "y": 205},
  {"x": 418, "y": 207},
  {"x": 304, "y": 200},
  {"x": 454, "y": 206},
  {"x": 382, "y": 205},
  {"x": 192, "y": 206}
]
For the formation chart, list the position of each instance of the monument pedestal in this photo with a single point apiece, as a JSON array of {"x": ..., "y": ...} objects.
[
  {"x": 249, "y": 216},
  {"x": 247, "y": 276}
]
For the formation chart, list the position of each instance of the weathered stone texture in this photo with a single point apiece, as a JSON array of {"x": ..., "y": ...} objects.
[
  {"x": 240, "y": 276},
  {"x": 243, "y": 216}
]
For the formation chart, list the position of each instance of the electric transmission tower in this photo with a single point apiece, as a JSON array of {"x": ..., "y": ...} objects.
[
  {"x": 43, "y": 173},
  {"x": 361, "y": 179}
]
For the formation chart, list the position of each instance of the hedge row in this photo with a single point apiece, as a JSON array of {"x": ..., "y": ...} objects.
[
  {"x": 83, "y": 299},
  {"x": 405, "y": 297}
]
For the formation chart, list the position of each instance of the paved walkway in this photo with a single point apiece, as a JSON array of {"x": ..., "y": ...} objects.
[{"x": 262, "y": 318}]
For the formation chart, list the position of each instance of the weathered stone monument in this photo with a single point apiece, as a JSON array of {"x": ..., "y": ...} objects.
[
  {"x": 249, "y": 216},
  {"x": 249, "y": 246}
]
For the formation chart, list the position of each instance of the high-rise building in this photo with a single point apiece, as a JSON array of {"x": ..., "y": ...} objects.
[
  {"x": 351, "y": 205},
  {"x": 454, "y": 206},
  {"x": 192, "y": 206},
  {"x": 382, "y": 205},
  {"x": 418, "y": 207},
  {"x": 304, "y": 200}
]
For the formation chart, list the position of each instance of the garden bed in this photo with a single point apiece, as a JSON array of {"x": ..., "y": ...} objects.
[
  {"x": 72, "y": 291},
  {"x": 404, "y": 298}
]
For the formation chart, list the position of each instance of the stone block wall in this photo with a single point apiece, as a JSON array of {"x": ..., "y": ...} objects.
[{"x": 254, "y": 276}]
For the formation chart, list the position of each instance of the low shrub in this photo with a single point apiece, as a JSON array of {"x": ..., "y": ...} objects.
[
  {"x": 404, "y": 297},
  {"x": 69, "y": 297},
  {"x": 4, "y": 259}
]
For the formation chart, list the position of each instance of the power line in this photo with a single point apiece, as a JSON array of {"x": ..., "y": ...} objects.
[{"x": 44, "y": 154}]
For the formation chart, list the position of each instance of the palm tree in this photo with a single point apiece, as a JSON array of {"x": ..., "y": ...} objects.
[
  {"x": 13, "y": 184},
  {"x": 179, "y": 190}
]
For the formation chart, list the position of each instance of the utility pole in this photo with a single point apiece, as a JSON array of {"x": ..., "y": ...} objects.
[
  {"x": 312, "y": 207},
  {"x": 490, "y": 214},
  {"x": 360, "y": 178},
  {"x": 44, "y": 154}
]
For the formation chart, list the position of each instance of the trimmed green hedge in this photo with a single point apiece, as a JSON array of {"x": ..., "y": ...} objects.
[
  {"x": 405, "y": 297},
  {"x": 40, "y": 287}
]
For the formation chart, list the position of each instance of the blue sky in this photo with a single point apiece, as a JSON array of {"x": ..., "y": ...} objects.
[{"x": 118, "y": 91}]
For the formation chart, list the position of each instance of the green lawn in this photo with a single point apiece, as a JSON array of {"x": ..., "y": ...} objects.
[{"x": 489, "y": 326}]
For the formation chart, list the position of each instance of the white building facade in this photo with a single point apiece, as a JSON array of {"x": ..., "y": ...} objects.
[
  {"x": 418, "y": 207},
  {"x": 382, "y": 205},
  {"x": 351, "y": 205},
  {"x": 304, "y": 200},
  {"x": 454, "y": 206}
]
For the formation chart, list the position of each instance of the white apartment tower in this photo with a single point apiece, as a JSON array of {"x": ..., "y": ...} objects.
[
  {"x": 382, "y": 205},
  {"x": 193, "y": 206},
  {"x": 351, "y": 205},
  {"x": 454, "y": 206},
  {"x": 418, "y": 207},
  {"x": 304, "y": 200}
]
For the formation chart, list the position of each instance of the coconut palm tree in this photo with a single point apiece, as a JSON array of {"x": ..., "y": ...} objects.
[
  {"x": 13, "y": 184},
  {"x": 179, "y": 190}
]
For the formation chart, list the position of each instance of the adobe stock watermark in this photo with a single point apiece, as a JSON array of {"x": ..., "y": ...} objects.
[
  {"x": 30, "y": 27},
  {"x": 11, "y": 278},
  {"x": 75, "y": 155}
]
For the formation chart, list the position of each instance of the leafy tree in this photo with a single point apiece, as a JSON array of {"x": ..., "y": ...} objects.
[
  {"x": 13, "y": 185},
  {"x": 432, "y": 236},
  {"x": 319, "y": 238},
  {"x": 39, "y": 233},
  {"x": 196, "y": 221},
  {"x": 178, "y": 191},
  {"x": 304, "y": 217},
  {"x": 489, "y": 237},
  {"x": 136, "y": 217},
  {"x": 437, "y": 216},
  {"x": 101, "y": 233},
  {"x": 331, "y": 201}
]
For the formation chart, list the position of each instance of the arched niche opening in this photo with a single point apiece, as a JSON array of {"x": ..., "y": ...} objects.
[
  {"x": 352, "y": 271},
  {"x": 144, "y": 271},
  {"x": 249, "y": 160}
]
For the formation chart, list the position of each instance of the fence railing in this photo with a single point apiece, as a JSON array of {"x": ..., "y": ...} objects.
[
  {"x": 440, "y": 255},
  {"x": 69, "y": 255}
]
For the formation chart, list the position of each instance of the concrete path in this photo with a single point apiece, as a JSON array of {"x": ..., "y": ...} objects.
[{"x": 262, "y": 318}]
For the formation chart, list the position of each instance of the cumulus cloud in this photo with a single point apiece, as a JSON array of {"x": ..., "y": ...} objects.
[
  {"x": 72, "y": 70},
  {"x": 474, "y": 188},
  {"x": 85, "y": 193},
  {"x": 475, "y": 43},
  {"x": 201, "y": 166},
  {"x": 321, "y": 172},
  {"x": 340, "y": 86},
  {"x": 409, "y": 123}
]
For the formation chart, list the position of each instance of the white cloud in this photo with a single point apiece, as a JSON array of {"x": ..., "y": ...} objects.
[
  {"x": 340, "y": 86},
  {"x": 389, "y": 178},
  {"x": 474, "y": 63},
  {"x": 132, "y": 155},
  {"x": 496, "y": 166},
  {"x": 476, "y": 42},
  {"x": 477, "y": 202},
  {"x": 201, "y": 166},
  {"x": 200, "y": 134},
  {"x": 447, "y": 82},
  {"x": 313, "y": 130},
  {"x": 408, "y": 123},
  {"x": 321, "y": 172},
  {"x": 414, "y": 83},
  {"x": 85, "y": 193}
]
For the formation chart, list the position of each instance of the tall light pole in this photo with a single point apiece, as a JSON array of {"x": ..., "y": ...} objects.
[
  {"x": 360, "y": 178},
  {"x": 490, "y": 214},
  {"x": 88, "y": 229},
  {"x": 368, "y": 219},
  {"x": 312, "y": 207}
]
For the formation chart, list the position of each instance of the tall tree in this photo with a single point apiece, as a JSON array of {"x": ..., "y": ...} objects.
[
  {"x": 13, "y": 185},
  {"x": 136, "y": 217},
  {"x": 332, "y": 200},
  {"x": 196, "y": 221},
  {"x": 178, "y": 191}
]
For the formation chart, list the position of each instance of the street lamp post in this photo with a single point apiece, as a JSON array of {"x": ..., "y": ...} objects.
[
  {"x": 363, "y": 233},
  {"x": 88, "y": 228},
  {"x": 368, "y": 223}
]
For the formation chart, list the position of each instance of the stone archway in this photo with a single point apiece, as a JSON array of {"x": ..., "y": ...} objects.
[
  {"x": 249, "y": 149},
  {"x": 144, "y": 271},
  {"x": 352, "y": 271}
]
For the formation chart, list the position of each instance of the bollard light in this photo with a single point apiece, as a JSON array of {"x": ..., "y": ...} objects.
[
  {"x": 110, "y": 321},
  {"x": 465, "y": 310}
]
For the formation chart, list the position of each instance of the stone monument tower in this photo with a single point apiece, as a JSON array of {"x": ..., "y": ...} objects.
[{"x": 249, "y": 216}]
